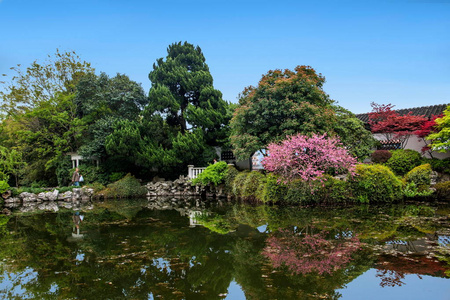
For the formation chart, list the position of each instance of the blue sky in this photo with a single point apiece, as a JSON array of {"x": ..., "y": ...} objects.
[{"x": 383, "y": 51}]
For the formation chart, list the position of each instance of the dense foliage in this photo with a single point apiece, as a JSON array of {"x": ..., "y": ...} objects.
[
  {"x": 375, "y": 183},
  {"x": 126, "y": 187},
  {"x": 213, "y": 174},
  {"x": 287, "y": 103},
  {"x": 402, "y": 161},
  {"x": 420, "y": 176},
  {"x": 440, "y": 141}
]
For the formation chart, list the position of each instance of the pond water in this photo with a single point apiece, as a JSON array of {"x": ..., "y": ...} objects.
[{"x": 167, "y": 249}]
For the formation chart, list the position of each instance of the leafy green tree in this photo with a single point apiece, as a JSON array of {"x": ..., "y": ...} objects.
[
  {"x": 107, "y": 105},
  {"x": 42, "y": 82},
  {"x": 441, "y": 139},
  {"x": 289, "y": 102},
  {"x": 357, "y": 140},
  {"x": 11, "y": 162},
  {"x": 40, "y": 120},
  {"x": 284, "y": 103}
]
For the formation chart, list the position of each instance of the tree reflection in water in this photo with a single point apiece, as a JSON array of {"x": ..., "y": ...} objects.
[{"x": 304, "y": 253}]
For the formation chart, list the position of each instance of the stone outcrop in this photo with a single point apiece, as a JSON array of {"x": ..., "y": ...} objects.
[
  {"x": 181, "y": 187},
  {"x": 77, "y": 194}
]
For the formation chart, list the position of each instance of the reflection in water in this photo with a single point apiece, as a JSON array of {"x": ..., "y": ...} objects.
[
  {"x": 305, "y": 253},
  {"x": 77, "y": 219},
  {"x": 140, "y": 249}
]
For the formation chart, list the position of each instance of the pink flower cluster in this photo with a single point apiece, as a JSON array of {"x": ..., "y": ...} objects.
[{"x": 308, "y": 158}]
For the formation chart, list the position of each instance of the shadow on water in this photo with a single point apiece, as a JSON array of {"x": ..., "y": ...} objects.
[{"x": 172, "y": 248}]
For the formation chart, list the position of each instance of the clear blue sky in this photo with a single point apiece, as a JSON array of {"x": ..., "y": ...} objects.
[{"x": 383, "y": 51}]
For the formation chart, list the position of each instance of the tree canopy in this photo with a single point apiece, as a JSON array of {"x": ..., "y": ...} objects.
[
  {"x": 289, "y": 102},
  {"x": 184, "y": 104},
  {"x": 441, "y": 139}
]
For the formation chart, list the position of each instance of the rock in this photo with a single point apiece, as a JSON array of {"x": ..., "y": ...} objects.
[
  {"x": 28, "y": 197},
  {"x": 6, "y": 211},
  {"x": 52, "y": 196},
  {"x": 6, "y": 195},
  {"x": 13, "y": 200},
  {"x": 65, "y": 196}
]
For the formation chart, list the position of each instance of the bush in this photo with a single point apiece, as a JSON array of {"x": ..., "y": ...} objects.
[
  {"x": 443, "y": 190},
  {"x": 115, "y": 176},
  {"x": 375, "y": 183},
  {"x": 230, "y": 175},
  {"x": 253, "y": 186},
  {"x": 334, "y": 191},
  {"x": 420, "y": 176},
  {"x": 411, "y": 191},
  {"x": 402, "y": 161},
  {"x": 381, "y": 156},
  {"x": 213, "y": 174},
  {"x": 238, "y": 183},
  {"x": 273, "y": 190},
  {"x": 440, "y": 165},
  {"x": 126, "y": 187},
  {"x": 299, "y": 192},
  {"x": 4, "y": 186}
]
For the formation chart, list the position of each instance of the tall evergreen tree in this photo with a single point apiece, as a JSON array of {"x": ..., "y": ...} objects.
[{"x": 190, "y": 112}]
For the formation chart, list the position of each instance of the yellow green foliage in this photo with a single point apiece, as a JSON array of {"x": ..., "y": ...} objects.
[
  {"x": 420, "y": 176},
  {"x": 376, "y": 183}
]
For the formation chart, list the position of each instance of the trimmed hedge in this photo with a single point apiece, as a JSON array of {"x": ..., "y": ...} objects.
[
  {"x": 443, "y": 190},
  {"x": 375, "y": 183},
  {"x": 126, "y": 187},
  {"x": 403, "y": 161},
  {"x": 420, "y": 176}
]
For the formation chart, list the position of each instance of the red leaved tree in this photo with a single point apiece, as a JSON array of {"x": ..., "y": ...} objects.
[
  {"x": 426, "y": 129},
  {"x": 307, "y": 158},
  {"x": 392, "y": 125}
]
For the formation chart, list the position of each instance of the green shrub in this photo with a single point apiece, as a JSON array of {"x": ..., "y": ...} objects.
[
  {"x": 402, "y": 161},
  {"x": 18, "y": 191},
  {"x": 92, "y": 173},
  {"x": 4, "y": 177},
  {"x": 440, "y": 165},
  {"x": 299, "y": 192},
  {"x": 230, "y": 175},
  {"x": 238, "y": 183},
  {"x": 411, "y": 191},
  {"x": 213, "y": 174},
  {"x": 273, "y": 190},
  {"x": 375, "y": 183},
  {"x": 334, "y": 191},
  {"x": 4, "y": 186},
  {"x": 96, "y": 186},
  {"x": 115, "y": 176},
  {"x": 126, "y": 187},
  {"x": 381, "y": 156},
  {"x": 253, "y": 186},
  {"x": 420, "y": 176},
  {"x": 443, "y": 190}
]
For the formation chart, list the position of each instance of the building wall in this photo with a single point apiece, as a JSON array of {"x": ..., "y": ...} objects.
[{"x": 416, "y": 143}]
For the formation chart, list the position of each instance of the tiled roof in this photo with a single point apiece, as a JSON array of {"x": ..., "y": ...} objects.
[{"x": 426, "y": 111}]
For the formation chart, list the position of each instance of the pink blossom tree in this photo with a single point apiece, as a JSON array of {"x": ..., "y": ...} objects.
[{"x": 307, "y": 158}]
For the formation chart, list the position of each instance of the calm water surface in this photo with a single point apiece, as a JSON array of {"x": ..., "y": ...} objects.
[{"x": 167, "y": 249}]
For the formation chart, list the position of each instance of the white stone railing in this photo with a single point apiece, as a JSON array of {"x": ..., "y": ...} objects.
[{"x": 193, "y": 172}]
